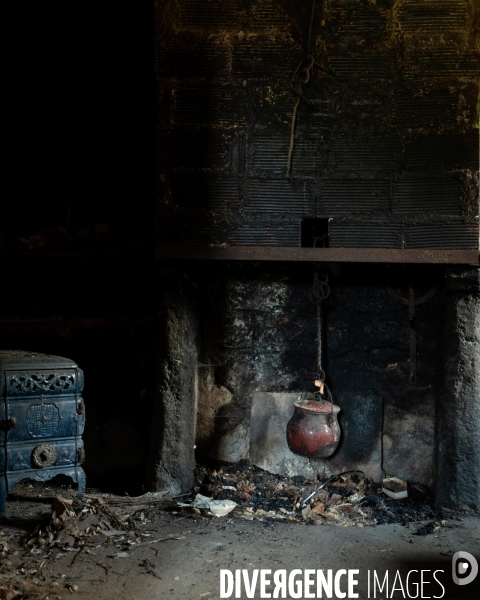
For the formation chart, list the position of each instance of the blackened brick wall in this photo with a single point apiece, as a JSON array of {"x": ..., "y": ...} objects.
[{"x": 387, "y": 149}]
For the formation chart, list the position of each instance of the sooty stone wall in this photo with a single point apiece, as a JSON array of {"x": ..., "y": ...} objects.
[
  {"x": 173, "y": 419},
  {"x": 232, "y": 330},
  {"x": 258, "y": 333},
  {"x": 458, "y": 450}
]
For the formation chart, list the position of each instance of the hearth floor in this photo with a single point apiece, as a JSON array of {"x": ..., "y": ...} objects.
[{"x": 162, "y": 552}]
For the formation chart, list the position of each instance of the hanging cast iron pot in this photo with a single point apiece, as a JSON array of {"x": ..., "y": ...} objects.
[{"x": 313, "y": 430}]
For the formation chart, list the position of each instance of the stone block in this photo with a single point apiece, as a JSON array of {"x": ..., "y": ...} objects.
[
  {"x": 408, "y": 438},
  {"x": 233, "y": 446},
  {"x": 268, "y": 440}
]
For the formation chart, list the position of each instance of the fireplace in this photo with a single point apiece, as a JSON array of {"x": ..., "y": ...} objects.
[
  {"x": 332, "y": 135},
  {"x": 233, "y": 331}
]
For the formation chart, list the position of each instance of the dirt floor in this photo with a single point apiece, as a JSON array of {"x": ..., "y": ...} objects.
[{"x": 148, "y": 547}]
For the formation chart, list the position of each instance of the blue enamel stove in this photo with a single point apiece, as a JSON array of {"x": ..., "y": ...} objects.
[{"x": 42, "y": 417}]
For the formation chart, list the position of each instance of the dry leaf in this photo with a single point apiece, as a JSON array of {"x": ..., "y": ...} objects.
[
  {"x": 346, "y": 508},
  {"x": 306, "y": 512},
  {"x": 330, "y": 516},
  {"x": 60, "y": 508},
  {"x": 8, "y": 593},
  {"x": 318, "y": 508}
]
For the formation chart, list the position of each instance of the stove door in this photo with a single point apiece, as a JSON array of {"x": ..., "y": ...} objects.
[{"x": 38, "y": 419}]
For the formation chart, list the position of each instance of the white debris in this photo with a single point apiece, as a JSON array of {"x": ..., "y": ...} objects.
[
  {"x": 218, "y": 508},
  {"x": 395, "y": 488}
]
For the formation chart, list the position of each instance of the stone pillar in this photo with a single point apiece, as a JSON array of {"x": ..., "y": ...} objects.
[
  {"x": 458, "y": 414},
  {"x": 172, "y": 454}
]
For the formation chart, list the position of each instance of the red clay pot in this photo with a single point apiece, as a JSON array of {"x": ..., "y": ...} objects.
[{"x": 313, "y": 430}]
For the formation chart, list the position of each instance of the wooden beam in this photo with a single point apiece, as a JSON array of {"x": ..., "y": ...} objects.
[
  {"x": 359, "y": 255},
  {"x": 29, "y": 324}
]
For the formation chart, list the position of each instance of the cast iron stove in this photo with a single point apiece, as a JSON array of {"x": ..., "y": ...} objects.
[{"x": 42, "y": 417}]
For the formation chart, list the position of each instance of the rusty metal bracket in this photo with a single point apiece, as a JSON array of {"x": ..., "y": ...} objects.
[{"x": 412, "y": 302}]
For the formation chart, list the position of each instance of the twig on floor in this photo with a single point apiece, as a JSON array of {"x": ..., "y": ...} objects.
[
  {"x": 148, "y": 542},
  {"x": 75, "y": 556},
  {"x": 104, "y": 567}
]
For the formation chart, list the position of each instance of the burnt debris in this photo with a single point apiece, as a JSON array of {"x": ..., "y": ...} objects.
[{"x": 351, "y": 499}]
